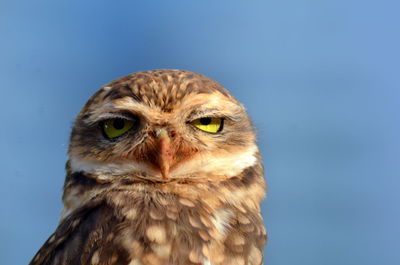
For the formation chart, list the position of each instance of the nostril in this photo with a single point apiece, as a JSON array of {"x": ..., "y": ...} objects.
[
  {"x": 172, "y": 133},
  {"x": 152, "y": 133}
]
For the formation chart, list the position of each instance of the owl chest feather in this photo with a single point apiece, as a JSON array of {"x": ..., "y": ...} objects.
[
  {"x": 149, "y": 225},
  {"x": 185, "y": 228}
]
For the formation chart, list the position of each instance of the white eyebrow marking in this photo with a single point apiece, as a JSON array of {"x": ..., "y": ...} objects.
[{"x": 129, "y": 103}]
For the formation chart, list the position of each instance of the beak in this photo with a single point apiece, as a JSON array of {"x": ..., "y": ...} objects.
[{"x": 166, "y": 152}]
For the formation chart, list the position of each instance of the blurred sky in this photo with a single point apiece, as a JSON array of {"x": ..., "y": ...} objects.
[{"x": 319, "y": 78}]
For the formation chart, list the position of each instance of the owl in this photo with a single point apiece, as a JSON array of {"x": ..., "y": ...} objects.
[{"x": 163, "y": 168}]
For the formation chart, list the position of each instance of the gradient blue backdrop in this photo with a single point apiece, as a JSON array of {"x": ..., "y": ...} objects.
[{"x": 320, "y": 79}]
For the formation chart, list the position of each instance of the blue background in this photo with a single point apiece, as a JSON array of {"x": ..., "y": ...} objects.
[{"x": 320, "y": 79}]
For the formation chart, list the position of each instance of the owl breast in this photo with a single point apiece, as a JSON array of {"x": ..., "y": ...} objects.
[{"x": 163, "y": 227}]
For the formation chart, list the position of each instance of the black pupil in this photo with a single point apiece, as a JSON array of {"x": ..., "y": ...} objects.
[
  {"x": 205, "y": 121},
  {"x": 119, "y": 124}
]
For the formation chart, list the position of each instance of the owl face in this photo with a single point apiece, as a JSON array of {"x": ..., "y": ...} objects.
[{"x": 162, "y": 125}]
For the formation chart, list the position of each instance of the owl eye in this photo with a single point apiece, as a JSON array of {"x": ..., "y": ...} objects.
[
  {"x": 112, "y": 128},
  {"x": 210, "y": 125}
]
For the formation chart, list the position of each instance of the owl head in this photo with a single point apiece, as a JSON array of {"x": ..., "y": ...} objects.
[{"x": 162, "y": 125}]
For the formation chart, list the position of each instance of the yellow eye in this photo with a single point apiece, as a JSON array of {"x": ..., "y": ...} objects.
[
  {"x": 113, "y": 128},
  {"x": 210, "y": 125}
]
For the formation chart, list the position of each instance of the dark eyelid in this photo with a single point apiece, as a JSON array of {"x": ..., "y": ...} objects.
[
  {"x": 121, "y": 115},
  {"x": 197, "y": 116},
  {"x": 90, "y": 121}
]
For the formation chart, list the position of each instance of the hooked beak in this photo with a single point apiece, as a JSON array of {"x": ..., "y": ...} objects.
[{"x": 166, "y": 152}]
